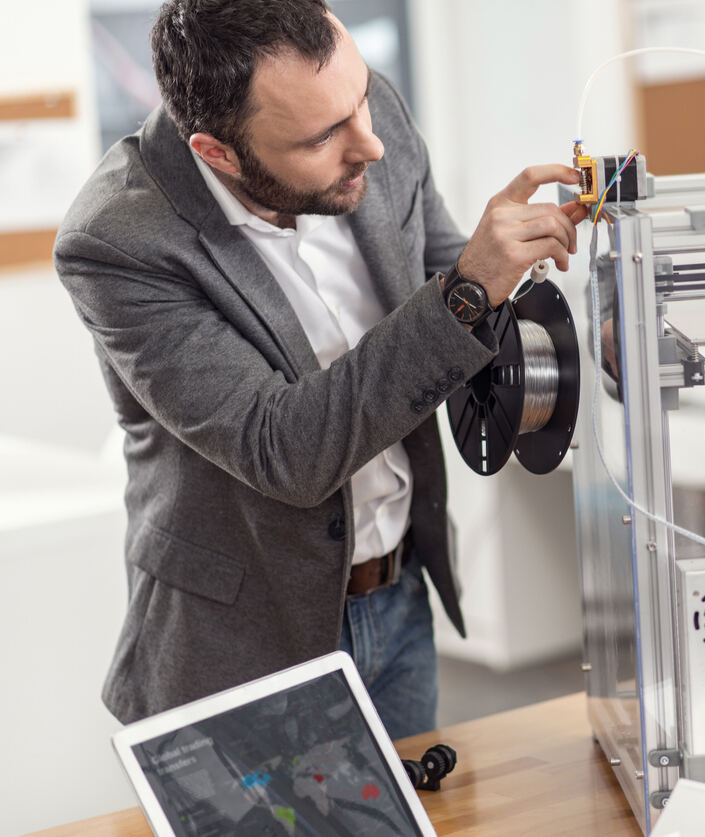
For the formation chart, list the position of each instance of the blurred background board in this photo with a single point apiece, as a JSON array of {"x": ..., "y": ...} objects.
[
  {"x": 61, "y": 105},
  {"x": 673, "y": 123},
  {"x": 669, "y": 87},
  {"x": 26, "y": 123}
]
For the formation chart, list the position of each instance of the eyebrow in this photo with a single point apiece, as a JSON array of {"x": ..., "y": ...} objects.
[{"x": 342, "y": 122}]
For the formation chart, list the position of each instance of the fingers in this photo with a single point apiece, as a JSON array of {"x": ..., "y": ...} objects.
[
  {"x": 575, "y": 211},
  {"x": 547, "y": 219},
  {"x": 547, "y": 248},
  {"x": 543, "y": 228},
  {"x": 525, "y": 185}
]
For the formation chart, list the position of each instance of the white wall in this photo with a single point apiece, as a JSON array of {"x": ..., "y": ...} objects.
[
  {"x": 62, "y": 587},
  {"x": 53, "y": 390},
  {"x": 498, "y": 85},
  {"x": 62, "y": 599},
  {"x": 62, "y": 584}
]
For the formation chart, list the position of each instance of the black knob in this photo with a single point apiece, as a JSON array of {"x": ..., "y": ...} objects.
[
  {"x": 438, "y": 761},
  {"x": 415, "y": 772}
]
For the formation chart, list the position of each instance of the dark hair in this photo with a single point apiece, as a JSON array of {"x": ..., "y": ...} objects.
[{"x": 205, "y": 53}]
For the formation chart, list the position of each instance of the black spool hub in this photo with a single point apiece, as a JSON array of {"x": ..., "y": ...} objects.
[{"x": 485, "y": 416}]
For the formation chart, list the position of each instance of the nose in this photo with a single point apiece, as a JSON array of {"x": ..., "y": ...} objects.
[{"x": 364, "y": 146}]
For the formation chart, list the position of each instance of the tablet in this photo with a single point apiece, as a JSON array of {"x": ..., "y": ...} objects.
[{"x": 300, "y": 752}]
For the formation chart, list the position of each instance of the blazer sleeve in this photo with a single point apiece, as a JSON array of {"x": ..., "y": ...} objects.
[{"x": 294, "y": 438}]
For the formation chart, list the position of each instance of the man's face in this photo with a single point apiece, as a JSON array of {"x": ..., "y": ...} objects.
[{"x": 310, "y": 139}]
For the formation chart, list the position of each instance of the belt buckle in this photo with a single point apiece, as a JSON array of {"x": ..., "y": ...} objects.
[
  {"x": 393, "y": 572},
  {"x": 393, "y": 569}
]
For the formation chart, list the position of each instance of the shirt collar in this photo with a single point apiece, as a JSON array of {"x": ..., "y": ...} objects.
[{"x": 239, "y": 215}]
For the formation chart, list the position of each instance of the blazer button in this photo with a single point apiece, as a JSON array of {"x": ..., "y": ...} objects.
[
  {"x": 443, "y": 384},
  {"x": 455, "y": 373},
  {"x": 430, "y": 396},
  {"x": 337, "y": 529},
  {"x": 418, "y": 406}
]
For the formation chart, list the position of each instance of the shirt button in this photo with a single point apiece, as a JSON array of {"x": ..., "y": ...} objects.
[
  {"x": 336, "y": 529},
  {"x": 455, "y": 373},
  {"x": 430, "y": 396},
  {"x": 418, "y": 406}
]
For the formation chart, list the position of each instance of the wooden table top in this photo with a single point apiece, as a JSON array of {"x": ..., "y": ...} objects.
[{"x": 532, "y": 771}]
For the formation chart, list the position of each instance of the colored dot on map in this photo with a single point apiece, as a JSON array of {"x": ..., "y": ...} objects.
[
  {"x": 287, "y": 814},
  {"x": 370, "y": 792},
  {"x": 259, "y": 779}
]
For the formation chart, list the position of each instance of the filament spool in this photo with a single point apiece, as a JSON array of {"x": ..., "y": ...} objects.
[
  {"x": 540, "y": 376},
  {"x": 526, "y": 399}
]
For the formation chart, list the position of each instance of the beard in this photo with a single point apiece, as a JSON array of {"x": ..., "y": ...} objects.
[{"x": 265, "y": 189}]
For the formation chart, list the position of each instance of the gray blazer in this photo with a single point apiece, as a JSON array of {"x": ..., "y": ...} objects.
[{"x": 239, "y": 447}]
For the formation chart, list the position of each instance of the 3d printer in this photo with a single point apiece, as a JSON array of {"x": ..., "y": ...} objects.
[{"x": 643, "y": 577}]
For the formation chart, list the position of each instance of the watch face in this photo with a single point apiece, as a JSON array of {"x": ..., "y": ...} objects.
[{"x": 468, "y": 302}]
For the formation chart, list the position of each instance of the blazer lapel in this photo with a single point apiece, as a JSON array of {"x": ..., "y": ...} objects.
[
  {"x": 376, "y": 231},
  {"x": 170, "y": 162},
  {"x": 244, "y": 269}
]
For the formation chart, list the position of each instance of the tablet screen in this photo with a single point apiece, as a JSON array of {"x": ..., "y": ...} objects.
[{"x": 299, "y": 762}]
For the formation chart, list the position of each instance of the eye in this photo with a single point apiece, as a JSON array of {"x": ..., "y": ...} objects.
[{"x": 322, "y": 140}]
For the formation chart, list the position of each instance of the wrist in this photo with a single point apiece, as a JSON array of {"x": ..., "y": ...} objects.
[{"x": 465, "y": 298}]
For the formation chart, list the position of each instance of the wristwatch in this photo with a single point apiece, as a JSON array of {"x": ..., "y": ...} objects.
[{"x": 466, "y": 299}]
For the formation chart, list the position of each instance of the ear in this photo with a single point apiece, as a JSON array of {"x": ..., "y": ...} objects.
[{"x": 215, "y": 153}]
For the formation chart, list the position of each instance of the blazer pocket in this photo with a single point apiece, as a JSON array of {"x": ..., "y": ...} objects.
[{"x": 186, "y": 566}]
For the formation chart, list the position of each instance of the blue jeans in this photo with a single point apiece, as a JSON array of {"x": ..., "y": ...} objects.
[{"x": 389, "y": 634}]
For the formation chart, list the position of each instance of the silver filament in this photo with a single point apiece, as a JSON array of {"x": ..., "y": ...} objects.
[{"x": 540, "y": 376}]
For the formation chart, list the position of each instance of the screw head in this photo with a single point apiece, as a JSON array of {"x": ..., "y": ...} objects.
[
  {"x": 637, "y": 258},
  {"x": 664, "y": 761},
  {"x": 586, "y": 667},
  {"x": 651, "y": 546},
  {"x": 613, "y": 255},
  {"x": 626, "y": 519},
  {"x": 638, "y": 774},
  {"x": 615, "y": 762}
]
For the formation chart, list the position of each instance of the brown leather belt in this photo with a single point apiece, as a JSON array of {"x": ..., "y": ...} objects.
[{"x": 378, "y": 573}]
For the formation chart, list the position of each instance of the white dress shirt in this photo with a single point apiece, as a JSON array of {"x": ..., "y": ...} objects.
[{"x": 321, "y": 270}]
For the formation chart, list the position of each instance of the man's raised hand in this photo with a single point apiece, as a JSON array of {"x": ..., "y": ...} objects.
[{"x": 513, "y": 234}]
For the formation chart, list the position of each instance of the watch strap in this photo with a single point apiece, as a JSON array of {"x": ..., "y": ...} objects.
[{"x": 454, "y": 278}]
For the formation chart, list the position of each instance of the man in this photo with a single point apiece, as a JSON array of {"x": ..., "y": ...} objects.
[{"x": 263, "y": 268}]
